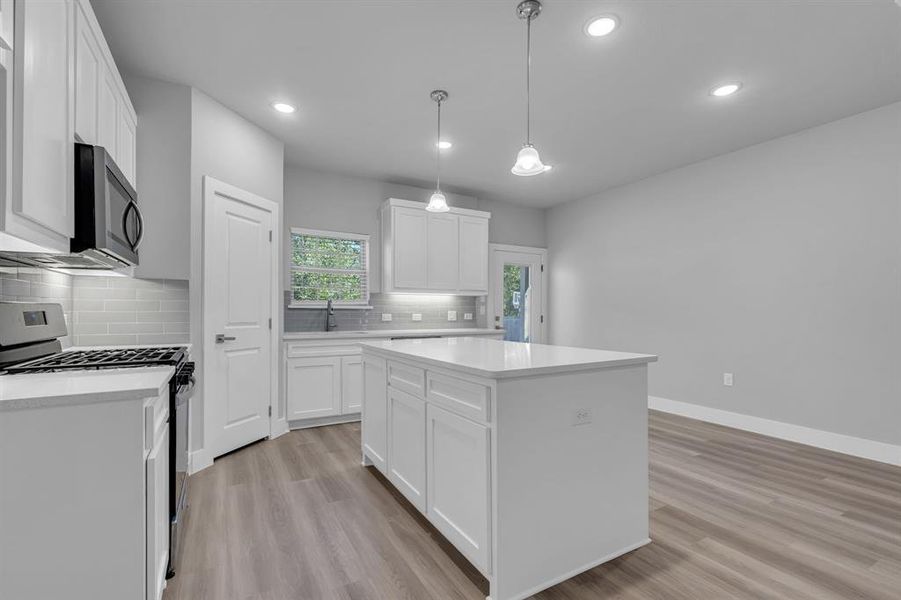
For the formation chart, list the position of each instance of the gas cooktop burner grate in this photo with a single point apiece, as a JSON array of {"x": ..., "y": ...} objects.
[{"x": 103, "y": 359}]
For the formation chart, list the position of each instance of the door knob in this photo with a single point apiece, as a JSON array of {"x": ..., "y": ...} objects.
[{"x": 221, "y": 338}]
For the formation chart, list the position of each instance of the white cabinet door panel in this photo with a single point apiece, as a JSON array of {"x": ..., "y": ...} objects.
[
  {"x": 458, "y": 490},
  {"x": 313, "y": 387},
  {"x": 442, "y": 252},
  {"x": 44, "y": 122},
  {"x": 406, "y": 445},
  {"x": 88, "y": 74},
  {"x": 108, "y": 115},
  {"x": 351, "y": 384},
  {"x": 157, "y": 515},
  {"x": 126, "y": 142},
  {"x": 473, "y": 254},
  {"x": 409, "y": 239},
  {"x": 375, "y": 410}
]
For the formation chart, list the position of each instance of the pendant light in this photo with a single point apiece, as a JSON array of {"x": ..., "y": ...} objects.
[
  {"x": 438, "y": 203},
  {"x": 528, "y": 162}
]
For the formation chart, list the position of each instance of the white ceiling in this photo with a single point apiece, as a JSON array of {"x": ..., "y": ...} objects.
[{"x": 606, "y": 111}]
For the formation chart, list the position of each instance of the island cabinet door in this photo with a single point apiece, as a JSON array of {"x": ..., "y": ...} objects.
[
  {"x": 406, "y": 445},
  {"x": 458, "y": 482},
  {"x": 375, "y": 410}
]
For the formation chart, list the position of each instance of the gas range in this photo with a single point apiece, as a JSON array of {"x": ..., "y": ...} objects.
[{"x": 107, "y": 358}]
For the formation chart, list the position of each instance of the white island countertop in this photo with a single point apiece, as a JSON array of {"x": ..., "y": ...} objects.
[
  {"x": 40, "y": 390},
  {"x": 496, "y": 359}
]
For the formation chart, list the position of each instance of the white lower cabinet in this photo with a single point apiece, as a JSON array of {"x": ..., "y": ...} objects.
[
  {"x": 314, "y": 387},
  {"x": 406, "y": 445},
  {"x": 157, "y": 514},
  {"x": 375, "y": 410},
  {"x": 351, "y": 383},
  {"x": 458, "y": 492}
]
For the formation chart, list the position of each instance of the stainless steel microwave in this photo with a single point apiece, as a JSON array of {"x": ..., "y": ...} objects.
[{"x": 109, "y": 226}]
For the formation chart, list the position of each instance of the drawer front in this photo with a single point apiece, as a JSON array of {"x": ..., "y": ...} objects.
[
  {"x": 463, "y": 397},
  {"x": 301, "y": 349},
  {"x": 407, "y": 378}
]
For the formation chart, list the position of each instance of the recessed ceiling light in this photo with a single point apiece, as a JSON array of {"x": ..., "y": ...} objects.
[
  {"x": 601, "y": 26},
  {"x": 283, "y": 108},
  {"x": 443, "y": 144},
  {"x": 727, "y": 89}
]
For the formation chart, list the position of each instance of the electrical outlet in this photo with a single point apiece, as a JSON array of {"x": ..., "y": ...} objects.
[
  {"x": 727, "y": 379},
  {"x": 582, "y": 416},
  {"x": 451, "y": 315},
  {"x": 467, "y": 316},
  {"x": 386, "y": 317},
  {"x": 417, "y": 316}
]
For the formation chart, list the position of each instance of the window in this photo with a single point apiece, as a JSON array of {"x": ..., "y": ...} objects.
[{"x": 326, "y": 265}]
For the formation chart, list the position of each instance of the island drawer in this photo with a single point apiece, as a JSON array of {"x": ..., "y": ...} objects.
[
  {"x": 407, "y": 378},
  {"x": 466, "y": 398}
]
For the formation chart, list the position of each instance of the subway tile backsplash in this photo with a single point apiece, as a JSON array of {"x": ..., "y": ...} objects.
[
  {"x": 121, "y": 310},
  {"x": 433, "y": 308}
]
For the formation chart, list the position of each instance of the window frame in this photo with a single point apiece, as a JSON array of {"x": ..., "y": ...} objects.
[{"x": 341, "y": 235}]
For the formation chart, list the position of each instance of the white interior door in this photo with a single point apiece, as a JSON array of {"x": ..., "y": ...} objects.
[
  {"x": 518, "y": 295},
  {"x": 239, "y": 269}
]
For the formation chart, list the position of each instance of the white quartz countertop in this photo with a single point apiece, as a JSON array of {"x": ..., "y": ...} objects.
[
  {"x": 386, "y": 333},
  {"x": 40, "y": 390},
  {"x": 496, "y": 359}
]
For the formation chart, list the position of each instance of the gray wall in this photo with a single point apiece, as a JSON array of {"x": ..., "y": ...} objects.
[
  {"x": 780, "y": 263},
  {"x": 164, "y": 175},
  {"x": 227, "y": 147},
  {"x": 330, "y": 201}
]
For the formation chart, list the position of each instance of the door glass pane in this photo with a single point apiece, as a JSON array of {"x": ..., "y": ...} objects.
[{"x": 517, "y": 303}]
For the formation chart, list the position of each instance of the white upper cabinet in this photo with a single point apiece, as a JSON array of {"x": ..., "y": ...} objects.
[
  {"x": 473, "y": 253},
  {"x": 104, "y": 115},
  {"x": 442, "y": 249},
  {"x": 58, "y": 85},
  {"x": 426, "y": 252},
  {"x": 409, "y": 234},
  {"x": 43, "y": 121}
]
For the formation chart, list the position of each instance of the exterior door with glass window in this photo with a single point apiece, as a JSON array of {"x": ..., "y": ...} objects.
[{"x": 517, "y": 292}]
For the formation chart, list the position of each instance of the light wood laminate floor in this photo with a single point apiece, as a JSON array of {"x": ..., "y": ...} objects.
[{"x": 734, "y": 515}]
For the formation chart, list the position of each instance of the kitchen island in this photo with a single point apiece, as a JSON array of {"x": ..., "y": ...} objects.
[{"x": 530, "y": 459}]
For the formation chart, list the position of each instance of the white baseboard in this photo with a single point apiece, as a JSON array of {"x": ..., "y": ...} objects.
[
  {"x": 837, "y": 442},
  {"x": 319, "y": 422},
  {"x": 199, "y": 460}
]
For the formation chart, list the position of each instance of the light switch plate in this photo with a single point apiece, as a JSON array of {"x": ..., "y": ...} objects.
[
  {"x": 582, "y": 416},
  {"x": 386, "y": 317},
  {"x": 451, "y": 315},
  {"x": 467, "y": 316},
  {"x": 417, "y": 316},
  {"x": 727, "y": 379}
]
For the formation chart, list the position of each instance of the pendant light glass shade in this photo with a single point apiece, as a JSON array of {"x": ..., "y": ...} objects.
[
  {"x": 528, "y": 162},
  {"x": 437, "y": 203}
]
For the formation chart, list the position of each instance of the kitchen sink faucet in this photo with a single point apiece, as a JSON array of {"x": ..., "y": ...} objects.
[{"x": 330, "y": 322}]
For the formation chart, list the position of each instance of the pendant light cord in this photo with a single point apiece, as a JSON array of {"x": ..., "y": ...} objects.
[
  {"x": 438, "y": 151},
  {"x": 528, "y": 78}
]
